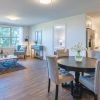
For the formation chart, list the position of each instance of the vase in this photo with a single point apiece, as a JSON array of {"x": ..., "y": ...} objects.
[{"x": 78, "y": 57}]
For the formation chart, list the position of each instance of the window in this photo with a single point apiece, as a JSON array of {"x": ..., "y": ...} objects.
[{"x": 10, "y": 36}]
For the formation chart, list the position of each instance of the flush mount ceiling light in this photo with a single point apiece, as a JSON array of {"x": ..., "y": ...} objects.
[
  {"x": 12, "y": 17},
  {"x": 45, "y": 1},
  {"x": 59, "y": 27}
]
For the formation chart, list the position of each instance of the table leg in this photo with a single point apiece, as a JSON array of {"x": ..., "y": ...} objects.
[{"x": 77, "y": 86}]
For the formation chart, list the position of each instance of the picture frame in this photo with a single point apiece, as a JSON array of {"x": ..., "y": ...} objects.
[{"x": 38, "y": 37}]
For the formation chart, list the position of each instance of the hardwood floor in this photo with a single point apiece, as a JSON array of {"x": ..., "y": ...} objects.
[{"x": 31, "y": 84}]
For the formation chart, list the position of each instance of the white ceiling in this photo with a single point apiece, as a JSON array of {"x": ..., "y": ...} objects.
[{"x": 31, "y": 12}]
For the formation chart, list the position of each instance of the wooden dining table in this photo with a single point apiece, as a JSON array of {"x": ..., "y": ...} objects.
[{"x": 86, "y": 65}]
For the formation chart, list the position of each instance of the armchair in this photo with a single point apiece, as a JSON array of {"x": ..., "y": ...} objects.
[{"x": 20, "y": 50}]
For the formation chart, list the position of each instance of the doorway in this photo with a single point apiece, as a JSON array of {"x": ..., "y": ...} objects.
[{"x": 59, "y": 37}]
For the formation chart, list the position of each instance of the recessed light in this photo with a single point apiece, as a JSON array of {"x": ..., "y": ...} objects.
[
  {"x": 12, "y": 17},
  {"x": 45, "y": 1},
  {"x": 59, "y": 27}
]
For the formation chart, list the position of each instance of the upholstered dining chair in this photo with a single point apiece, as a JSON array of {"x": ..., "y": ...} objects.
[
  {"x": 57, "y": 78},
  {"x": 62, "y": 52},
  {"x": 94, "y": 55},
  {"x": 93, "y": 82}
]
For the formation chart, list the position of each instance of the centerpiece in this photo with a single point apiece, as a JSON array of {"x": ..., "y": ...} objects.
[{"x": 78, "y": 48}]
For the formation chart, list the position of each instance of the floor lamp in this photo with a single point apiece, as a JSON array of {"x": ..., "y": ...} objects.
[{"x": 27, "y": 41}]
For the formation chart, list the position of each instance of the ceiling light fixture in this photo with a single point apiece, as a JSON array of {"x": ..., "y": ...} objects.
[
  {"x": 59, "y": 27},
  {"x": 45, "y": 1},
  {"x": 12, "y": 17}
]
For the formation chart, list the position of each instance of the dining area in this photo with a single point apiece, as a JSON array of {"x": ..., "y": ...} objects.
[{"x": 79, "y": 75}]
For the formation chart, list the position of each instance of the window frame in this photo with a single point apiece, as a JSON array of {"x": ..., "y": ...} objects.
[{"x": 11, "y": 37}]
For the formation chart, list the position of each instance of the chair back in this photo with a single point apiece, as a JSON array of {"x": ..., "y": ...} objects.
[
  {"x": 21, "y": 48},
  {"x": 95, "y": 54},
  {"x": 62, "y": 52},
  {"x": 52, "y": 68},
  {"x": 97, "y": 78}
]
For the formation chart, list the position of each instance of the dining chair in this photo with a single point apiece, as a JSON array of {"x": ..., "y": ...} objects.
[
  {"x": 94, "y": 55},
  {"x": 62, "y": 52},
  {"x": 57, "y": 78},
  {"x": 92, "y": 82}
]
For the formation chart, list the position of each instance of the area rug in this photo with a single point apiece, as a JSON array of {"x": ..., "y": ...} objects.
[{"x": 10, "y": 68}]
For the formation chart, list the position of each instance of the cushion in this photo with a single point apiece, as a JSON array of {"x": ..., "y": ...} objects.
[
  {"x": 91, "y": 74},
  {"x": 87, "y": 81},
  {"x": 65, "y": 78},
  {"x": 22, "y": 49},
  {"x": 62, "y": 71},
  {"x": 18, "y": 47}
]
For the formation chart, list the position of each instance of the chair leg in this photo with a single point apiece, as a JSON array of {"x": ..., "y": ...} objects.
[
  {"x": 95, "y": 97},
  {"x": 72, "y": 88},
  {"x": 56, "y": 94},
  {"x": 82, "y": 73},
  {"x": 49, "y": 85}
]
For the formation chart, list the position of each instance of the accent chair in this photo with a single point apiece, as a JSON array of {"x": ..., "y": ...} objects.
[{"x": 20, "y": 50}]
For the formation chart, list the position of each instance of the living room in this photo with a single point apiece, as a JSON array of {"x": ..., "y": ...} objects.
[{"x": 32, "y": 30}]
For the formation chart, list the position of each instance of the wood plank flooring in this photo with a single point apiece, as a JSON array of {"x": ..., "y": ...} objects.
[{"x": 31, "y": 84}]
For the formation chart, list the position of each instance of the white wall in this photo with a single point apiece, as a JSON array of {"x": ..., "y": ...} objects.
[{"x": 75, "y": 31}]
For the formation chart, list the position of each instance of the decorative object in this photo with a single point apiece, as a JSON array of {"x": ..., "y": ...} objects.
[
  {"x": 37, "y": 37},
  {"x": 78, "y": 48}
]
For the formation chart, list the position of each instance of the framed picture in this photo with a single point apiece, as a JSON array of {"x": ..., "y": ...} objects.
[{"x": 38, "y": 37}]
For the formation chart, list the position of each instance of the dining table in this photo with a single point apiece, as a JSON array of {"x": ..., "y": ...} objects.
[{"x": 87, "y": 65}]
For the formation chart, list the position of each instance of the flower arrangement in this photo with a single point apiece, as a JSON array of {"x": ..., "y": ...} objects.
[{"x": 78, "y": 48}]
